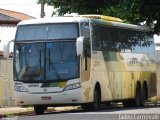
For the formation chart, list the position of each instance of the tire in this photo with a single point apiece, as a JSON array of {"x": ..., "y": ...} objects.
[
  {"x": 138, "y": 99},
  {"x": 128, "y": 103},
  {"x": 97, "y": 99},
  {"x": 39, "y": 110},
  {"x": 87, "y": 107},
  {"x": 108, "y": 104},
  {"x": 144, "y": 95}
]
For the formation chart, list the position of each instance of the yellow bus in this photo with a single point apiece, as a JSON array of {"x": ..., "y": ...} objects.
[{"x": 83, "y": 60}]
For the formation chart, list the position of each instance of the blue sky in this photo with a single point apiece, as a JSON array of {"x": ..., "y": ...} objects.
[{"x": 29, "y": 7}]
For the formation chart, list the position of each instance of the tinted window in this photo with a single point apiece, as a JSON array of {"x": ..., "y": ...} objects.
[
  {"x": 121, "y": 40},
  {"x": 47, "y": 31},
  {"x": 84, "y": 29}
]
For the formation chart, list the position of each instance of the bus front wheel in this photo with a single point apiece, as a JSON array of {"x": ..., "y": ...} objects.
[
  {"x": 39, "y": 109},
  {"x": 97, "y": 98},
  {"x": 95, "y": 105}
]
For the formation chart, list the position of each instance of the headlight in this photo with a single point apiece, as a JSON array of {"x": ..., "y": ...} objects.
[
  {"x": 72, "y": 86},
  {"x": 20, "y": 88}
]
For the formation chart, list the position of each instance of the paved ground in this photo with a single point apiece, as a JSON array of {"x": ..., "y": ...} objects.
[
  {"x": 116, "y": 113},
  {"x": 116, "y": 109},
  {"x": 18, "y": 111}
]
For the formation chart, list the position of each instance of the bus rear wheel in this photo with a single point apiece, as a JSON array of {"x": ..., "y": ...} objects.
[
  {"x": 144, "y": 94},
  {"x": 127, "y": 103},
  {"x": 137, "y": 100},
  {"x": 39, "y": 110},
  {"x": 87, "y": 107}
]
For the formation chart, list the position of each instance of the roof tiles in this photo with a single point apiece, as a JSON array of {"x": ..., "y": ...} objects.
[{"x": 17, "y": 15}]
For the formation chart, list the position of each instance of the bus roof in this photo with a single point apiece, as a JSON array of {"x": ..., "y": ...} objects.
[
  {"x": 102, "y": 17},
  {"x": 112, "y": 21},
  {"x": 58, "y": 19}
]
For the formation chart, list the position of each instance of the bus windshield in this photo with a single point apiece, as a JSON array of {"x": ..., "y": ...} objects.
[
  {"x": 46, "y": 52},
  {"x": 50, "y": 61}
]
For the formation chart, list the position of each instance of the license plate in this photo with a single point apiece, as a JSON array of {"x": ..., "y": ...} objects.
[{"x": 46, "y": 98}]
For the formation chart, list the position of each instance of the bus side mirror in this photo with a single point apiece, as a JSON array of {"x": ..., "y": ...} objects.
[
  {"x": 6, "y": 49},
  {"x": 79, "y": 46}
]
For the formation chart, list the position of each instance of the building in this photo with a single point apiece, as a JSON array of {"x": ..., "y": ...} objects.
[{"x": 8, "y": 22}]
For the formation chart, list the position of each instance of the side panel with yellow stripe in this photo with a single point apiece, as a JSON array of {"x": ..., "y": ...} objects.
[
  {"x": 119, "y": 72},
  {"x": 118, "y": 76}
]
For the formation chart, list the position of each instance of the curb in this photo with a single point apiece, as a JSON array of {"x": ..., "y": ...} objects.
[
  {"x": 10, "y": 115},
  {"x": 31, "y": 111}
]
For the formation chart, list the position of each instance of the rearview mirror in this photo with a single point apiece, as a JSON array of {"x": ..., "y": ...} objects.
[
  {"x": 6, "y": 49},
  {"x": 79, "y": 46}
]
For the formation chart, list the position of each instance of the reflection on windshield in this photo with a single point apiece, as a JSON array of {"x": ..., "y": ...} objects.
[
  {"x": 28, "y": 61},
  {"x": 61, "y": 60},
  {"x": 45, "y": 61}
]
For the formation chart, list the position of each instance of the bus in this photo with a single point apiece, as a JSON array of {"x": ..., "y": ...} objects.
[{"x": 83, "y": 60}]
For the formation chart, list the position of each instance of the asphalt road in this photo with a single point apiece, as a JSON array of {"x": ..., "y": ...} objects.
[{"x": 118, "y": 113}]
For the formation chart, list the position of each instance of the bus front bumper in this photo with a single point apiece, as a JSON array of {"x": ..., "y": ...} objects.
[{"x": 68, "y": 97}]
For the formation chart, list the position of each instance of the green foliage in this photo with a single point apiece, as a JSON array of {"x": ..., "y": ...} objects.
[
  {"x": 137, "y": 11},
  {"x": 132, "y": 11},
  {"x": 127, "y": 10},
  {"x": 80, "y": 6},
  {"x": 150, "y": 10}
]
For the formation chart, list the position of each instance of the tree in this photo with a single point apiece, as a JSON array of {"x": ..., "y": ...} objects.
[
  {"x": 81, "y": 6},
  {"x": 150, "y": 10},
  {"x": 128, "y": 10},
  {"x": 137, "y": 11},
  {"x": 131, "y": 11}
]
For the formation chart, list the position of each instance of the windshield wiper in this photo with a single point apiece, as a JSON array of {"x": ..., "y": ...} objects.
[
  {"x": 15, "y": 71},
  {"x": 51, "y": 63},
  {"x": 40, "y": 56}
]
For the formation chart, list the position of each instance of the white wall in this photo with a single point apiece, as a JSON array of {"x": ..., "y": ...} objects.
[
  {"x": 6, "y": 83},
  {"x": 7, "y": 33}
]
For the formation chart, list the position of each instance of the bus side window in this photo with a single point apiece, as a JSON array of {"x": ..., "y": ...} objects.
[
  {"x": 87, "y": 47},
  {"x": 114, "y": 40},
  {"x": 85, "y": 30},
  {"x": 87, "y": 53},
  {"x": 143, "y": 44},
  {"x": 96, "y": 39},
  {"x": 136, "y": 48},
  {"x": 147, "y": 46}
]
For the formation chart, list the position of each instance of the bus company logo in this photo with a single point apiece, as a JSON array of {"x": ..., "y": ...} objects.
[
  {"x": 33, "y": 85},
  {"x": 139, "y": 62}
]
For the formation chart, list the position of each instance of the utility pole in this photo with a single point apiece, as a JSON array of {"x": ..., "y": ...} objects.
[{"x": 42, "y": 8}]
